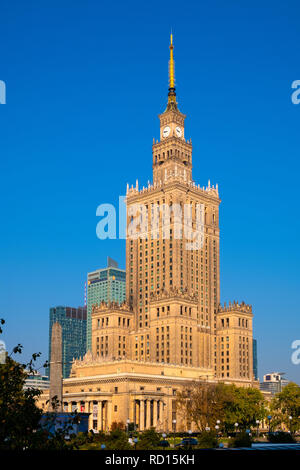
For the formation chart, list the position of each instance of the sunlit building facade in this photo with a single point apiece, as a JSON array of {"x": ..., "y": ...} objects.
[{"x": 171, "y": 331}]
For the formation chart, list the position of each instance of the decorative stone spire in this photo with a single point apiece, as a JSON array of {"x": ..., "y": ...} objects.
[
  {"x": 55, "y": 392},
  {"x": 172, "y": 104}
]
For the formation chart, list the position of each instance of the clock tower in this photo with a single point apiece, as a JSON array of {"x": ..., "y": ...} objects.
[
  {"x": 172, "y": 331},
  {"x": 172, "y": 285},
  {"x": 172, "y": 155}
]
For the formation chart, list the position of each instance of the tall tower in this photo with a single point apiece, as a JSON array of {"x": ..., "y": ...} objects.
[
  {"x": 172, "y": 156},
  {"x": 173, "y": 284},
  {"x": 56, "y": 368}
]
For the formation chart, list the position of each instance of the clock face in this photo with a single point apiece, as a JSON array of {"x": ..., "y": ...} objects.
[
  {"x": 178, "y": 131},
  {"x": 166, "y": 131}
]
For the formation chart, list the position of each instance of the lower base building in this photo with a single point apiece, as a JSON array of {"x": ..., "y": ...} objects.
[{"x": 126, "y": 391}]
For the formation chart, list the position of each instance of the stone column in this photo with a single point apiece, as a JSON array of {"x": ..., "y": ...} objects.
[
  {"x": 138, "y": 414},
  {"x": 164, "y": 415},
  {"x": 109, "y": 415},
  {"x": 69, "y": 407},
  {"x": 155, "y": 404},
  {"x": 103, "y": 415},
  {"x": 99, "y": 415},
  {"x": 161, "y": 414},
  {"x": 142, "y": 415},
  {"x": 148, "y": 421},
  {"x": 90, "y": 410},
  {"x": 134, "y": 412}
]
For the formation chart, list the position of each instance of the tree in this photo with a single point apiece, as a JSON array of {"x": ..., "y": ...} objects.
[
  {"x": 19, "y": 415},
  {"x": 206, "y": 403},
  {"x": 248, "y": 406},
  {"x": 203, "y": 403},
  {"x": 149, "y": 439},
  {"x": 286, "y": 404},
  {"x": 20, "y": 418},
  {"x": 117, "y": 440},
  {"x": 117, "y": 425}
]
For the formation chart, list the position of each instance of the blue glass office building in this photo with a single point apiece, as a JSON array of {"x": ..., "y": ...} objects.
[
  {"x": 73, "y": 322},
  {"x": 255, "y": 370},
  {"x": 108, "y": 285}
]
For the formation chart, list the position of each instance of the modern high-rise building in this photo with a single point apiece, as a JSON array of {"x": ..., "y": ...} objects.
[
  {"x": 3, "y": 352},
  {"x": 73, "y": 322},
  {"x": 273, "y": 382},
  {"x": 255, "y": 365},
  {"x": 104, "y": 285},
  {"x": 37, "y": 381},
  {"x": 172, "y": 331}
]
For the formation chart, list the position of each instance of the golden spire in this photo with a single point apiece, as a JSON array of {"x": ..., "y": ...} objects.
[
  {"x": 171, "y": 65},
  {"x": 172, "y": 93}
]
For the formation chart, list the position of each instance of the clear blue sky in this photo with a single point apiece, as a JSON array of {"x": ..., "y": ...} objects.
[{"x": 85, "y": 83}]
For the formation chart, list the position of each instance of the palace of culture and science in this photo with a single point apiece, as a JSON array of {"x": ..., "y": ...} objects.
[{"x": 172, "y": 331}]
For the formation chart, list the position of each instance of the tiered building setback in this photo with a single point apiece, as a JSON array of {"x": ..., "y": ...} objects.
[{"x": 172, "y": 330}]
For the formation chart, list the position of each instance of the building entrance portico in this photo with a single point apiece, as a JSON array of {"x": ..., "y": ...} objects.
[
  {"x": 99, "y": 411},
  {"x": 148, "y": 413}
]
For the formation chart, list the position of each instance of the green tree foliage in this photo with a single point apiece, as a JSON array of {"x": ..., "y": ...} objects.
[
  {"x": 206, "y": 403},
  {"x": 285, "y": 404},
  {"x": 117, "y": 425},
  {"x": 19, "y": 416},
  {"x": 207, "y": 440},
  {"x": 247, "y": 406},
  {"x": 117, "y": 440},
  {"x": 241, "y": 440},
  {"x": 149, "y": 439}
]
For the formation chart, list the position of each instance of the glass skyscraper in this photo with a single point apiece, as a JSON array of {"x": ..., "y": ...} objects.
[
  {"x": 255, "y": 371},
  {"x": 108, "y": 285},
  {"x": 73, "y": 322}
]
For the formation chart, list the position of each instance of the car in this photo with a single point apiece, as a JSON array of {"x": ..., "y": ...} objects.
[
  {"x": 187, "y": 442},
  {"x": 164, "y": 443}
]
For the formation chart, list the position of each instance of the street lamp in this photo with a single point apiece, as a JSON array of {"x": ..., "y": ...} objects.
[
  {"x": 135, "y": 440},
  {"x": 207, "y": 429},
  {"x": 128, "y": 422},
  {"x": 164, "y": 435},
  {"x": 217, "y": 430},
  {"x": 103, "y": 446},
  {"x": 269, "y": 418},
  {"x": 174, "y": 429},
  {"x": 257, "y": 425},
  {"x": 290, "y": 418},
  {"x": 190, "y": 445},
  {"x": 236, "y": 426}
]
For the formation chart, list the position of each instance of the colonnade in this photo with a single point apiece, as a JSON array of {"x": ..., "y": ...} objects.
[
  {"x": 148, "y": 413},
  {"x": 100, "y": 412}
]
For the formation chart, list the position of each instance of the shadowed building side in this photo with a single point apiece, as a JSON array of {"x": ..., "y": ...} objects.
[{"x": 56, "y": 367}]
